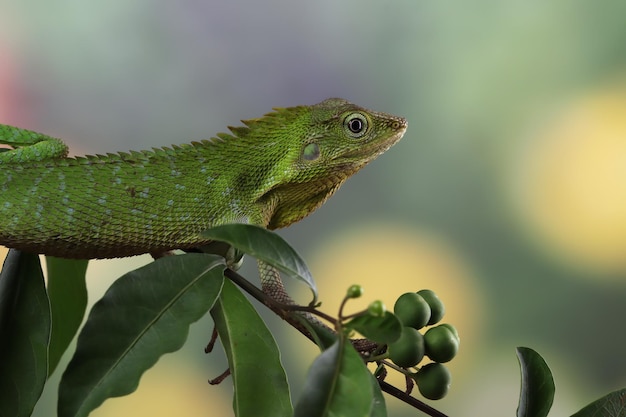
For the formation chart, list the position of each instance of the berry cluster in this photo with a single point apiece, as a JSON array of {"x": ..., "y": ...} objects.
[{"x": 440, "y": 343}]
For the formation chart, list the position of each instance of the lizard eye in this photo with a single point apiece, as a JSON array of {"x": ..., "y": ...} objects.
[{"x": 355, "y": 124}]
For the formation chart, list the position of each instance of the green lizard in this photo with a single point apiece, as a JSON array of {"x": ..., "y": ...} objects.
[{"x": 272, "y": 172}]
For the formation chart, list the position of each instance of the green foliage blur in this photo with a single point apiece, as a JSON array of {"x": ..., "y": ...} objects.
[{"x": 482, "y": 84}]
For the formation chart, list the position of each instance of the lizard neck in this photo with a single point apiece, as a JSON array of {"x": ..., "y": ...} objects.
[{"x": 294, "y": 201}]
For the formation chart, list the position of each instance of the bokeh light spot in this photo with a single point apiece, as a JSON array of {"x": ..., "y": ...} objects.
[
  {"x": 571, "y": 182},
  {"x": 169, "y": 390},
  {"x": 389, "y": 260}
]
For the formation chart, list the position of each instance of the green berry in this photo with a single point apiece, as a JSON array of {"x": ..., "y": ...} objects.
[
  {"x": 408, "y": 350},
  {"x": 355, "y": 291},
  {"x": 452, "y": 329},
  {"x": 377, "y": 308},
  {"x": 436, "y": 306},
  {"x": 433, "y": 381},
  {"x": 441, "y": 344},
  {"x": 412, "y": 310}
]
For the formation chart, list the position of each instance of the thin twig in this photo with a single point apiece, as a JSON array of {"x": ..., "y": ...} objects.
[
  {"x": 402, "y": 396},
  {"x": 218, "y": 380},
  {"x": 282, "y": 310}
]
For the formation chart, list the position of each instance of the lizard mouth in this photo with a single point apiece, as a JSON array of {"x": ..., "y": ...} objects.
[{"x": 372, "y": 150}]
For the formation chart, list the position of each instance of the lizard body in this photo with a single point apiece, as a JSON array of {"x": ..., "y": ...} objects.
[{"x": 271, "y": 172}]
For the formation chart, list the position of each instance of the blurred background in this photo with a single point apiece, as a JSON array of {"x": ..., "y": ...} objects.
[{"x": 507, "y": 195}]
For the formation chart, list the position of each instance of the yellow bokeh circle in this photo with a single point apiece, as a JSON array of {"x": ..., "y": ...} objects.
[
  {"x": 571, "y": 182},
  {"x": 170, "y": 389},
  {"x": 389, "y": 260}
]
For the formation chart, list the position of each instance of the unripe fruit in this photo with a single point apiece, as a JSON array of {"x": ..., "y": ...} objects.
[
  {"x": 377, "y": 308},
  {"x": 441, "y": 344},
  {"x": 433, "y": 381},
  {"x": 408, "y": 350},
  {"x": 412, "y": 310},
  {"x": 355, "y": 291},
  {"x": 452, "y": 329},
  {"x": 436, "y": 306}
]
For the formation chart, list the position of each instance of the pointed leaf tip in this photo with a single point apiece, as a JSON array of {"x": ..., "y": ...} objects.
[
  {"x": 537, "y": 386},
  {"x": 265, "y": 246}
]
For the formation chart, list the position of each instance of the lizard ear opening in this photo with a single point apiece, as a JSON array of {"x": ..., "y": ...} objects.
[{"x": 311, "y": 152}]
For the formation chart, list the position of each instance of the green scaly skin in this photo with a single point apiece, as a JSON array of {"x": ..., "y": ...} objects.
[{"x": 273, "y": 172}]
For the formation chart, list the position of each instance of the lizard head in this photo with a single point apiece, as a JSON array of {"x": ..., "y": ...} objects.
[
  {"x": 335, "y": 139},
  {"x": 343, "y": 137}
]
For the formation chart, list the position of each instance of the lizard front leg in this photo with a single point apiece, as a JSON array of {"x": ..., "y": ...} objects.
[{"x": 272, "y": 286}]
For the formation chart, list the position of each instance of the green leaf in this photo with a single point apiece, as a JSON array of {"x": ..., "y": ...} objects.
[
  {"x": 24, "y": 334},
  {"x": 611, "y": 405},
  {"x": 537, "y": 391},
  {"x": 144, "y": 314},
  {"x": 266, "y": 246},
  {"x": 384, "y": 330},
  {"x": 67, "y": 290},
  {"x": 338, "y": 384},
  {"x": 261, "y": 387},
  {"x": 379, "y": 409},
  {"x": 323, "y": 336}
]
